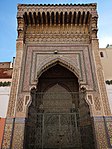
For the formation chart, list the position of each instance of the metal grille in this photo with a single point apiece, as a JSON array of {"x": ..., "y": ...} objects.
[
  {"x": 55, "y": 131},
  {"x": 54, "y": 122}
]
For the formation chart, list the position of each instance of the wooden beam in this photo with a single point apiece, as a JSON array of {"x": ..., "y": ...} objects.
[
  {"x": 48, "y": 18},
  {"x": 35, "y": 18},
  {"x": 65, "y": 18},
  {"x": 87, "y": 17},
  {"x": 39, "y": 18},
  {"x": 83, "y": 16},
  {"x": 78, "y": 18},
  {"x": 52, "y": 17},
  {"x": 43, "y": 18},
  {"x": 70, "y": 17},
  {"x": 74, "y": 18},
  {"x": 30, "y": 17},
  {"x": 57, "y": 18},
  {"x": 61, "y": 18},
  {"x": 26, "y": 18}
]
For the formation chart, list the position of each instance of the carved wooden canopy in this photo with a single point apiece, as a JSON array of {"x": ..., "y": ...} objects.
[
  {"x": 56, "y": 14},
  {"x": 62, "y": 15}
]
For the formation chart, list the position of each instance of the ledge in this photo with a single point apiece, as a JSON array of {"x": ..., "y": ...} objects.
[{"x": 89, "y": 4}]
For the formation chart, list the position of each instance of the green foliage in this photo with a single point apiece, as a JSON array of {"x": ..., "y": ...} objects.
[
  {"x": 109, "y": 82},
  {"x": 5, "y": 83}
]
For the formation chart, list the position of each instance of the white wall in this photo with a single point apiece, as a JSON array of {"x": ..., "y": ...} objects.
[
  {"x": 109, "y": 92},
  {"x": 5, "y": 80},
  {"x": 4, "y": 99}
]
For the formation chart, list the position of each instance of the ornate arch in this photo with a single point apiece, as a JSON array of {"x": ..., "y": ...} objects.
[{"x": 62, "y": 62}]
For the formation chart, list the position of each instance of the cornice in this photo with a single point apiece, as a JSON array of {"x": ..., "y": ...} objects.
[
  {"x": 89, "y": 4},
  {"x": 57, "y": 15},
  {"x": 22, "y": 8}
]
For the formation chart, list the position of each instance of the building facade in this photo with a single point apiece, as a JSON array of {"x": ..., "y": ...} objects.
[
  {"x": 106, "y": 60},
  {"x": 58, "y": 97},
  {"x": 5, "y": 85}
]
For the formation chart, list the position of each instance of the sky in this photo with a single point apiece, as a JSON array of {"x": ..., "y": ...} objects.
[{"x": 8, "y": 23}]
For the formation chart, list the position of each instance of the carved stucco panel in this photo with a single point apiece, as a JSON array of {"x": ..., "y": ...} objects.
[
  {"x": 42, "y": 60},
  {"x": 26, "y": 74},
  {"x": 100, "y": 133},
  {"x": 15, "y": 79},
  {"x": 88, "y": 70},
  {"x": 35, "y": 60},
  {"x": 19, "y": 104},
  {"x": 57, "y": 34},
  {"x": 7, "y": 136},
  {"x": 103, "y": 94},
  {"x": 39, "y": 56},
  {"x": 18, "y": 136}
]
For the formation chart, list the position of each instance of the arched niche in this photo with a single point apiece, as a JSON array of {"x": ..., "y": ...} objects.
[{"x": 56, "y": 110}]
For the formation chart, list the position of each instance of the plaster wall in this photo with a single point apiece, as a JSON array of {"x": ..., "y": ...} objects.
[
  {"x": 106, "y": 61},
  {"x": 4, "y": 99}
]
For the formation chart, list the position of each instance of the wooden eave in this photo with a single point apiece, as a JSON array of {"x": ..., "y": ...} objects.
[
  {"x": 50, "y": 14},
  {"x": 47, "y": 18}
]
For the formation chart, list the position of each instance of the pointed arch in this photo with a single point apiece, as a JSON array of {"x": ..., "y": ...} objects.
[{"x": 61, "y": 62}]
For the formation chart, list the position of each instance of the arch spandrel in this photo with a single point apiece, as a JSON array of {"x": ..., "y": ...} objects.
[{"x": 52, "y": 62}]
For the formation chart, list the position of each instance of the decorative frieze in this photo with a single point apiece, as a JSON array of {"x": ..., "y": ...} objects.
[{"x": 57, "y": 34}]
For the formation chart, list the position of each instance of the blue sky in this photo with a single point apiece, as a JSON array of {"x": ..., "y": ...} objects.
[{"x": 8, "y": 23}]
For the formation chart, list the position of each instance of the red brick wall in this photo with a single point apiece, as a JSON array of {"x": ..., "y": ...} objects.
[{"x": 2, "y": 124}]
